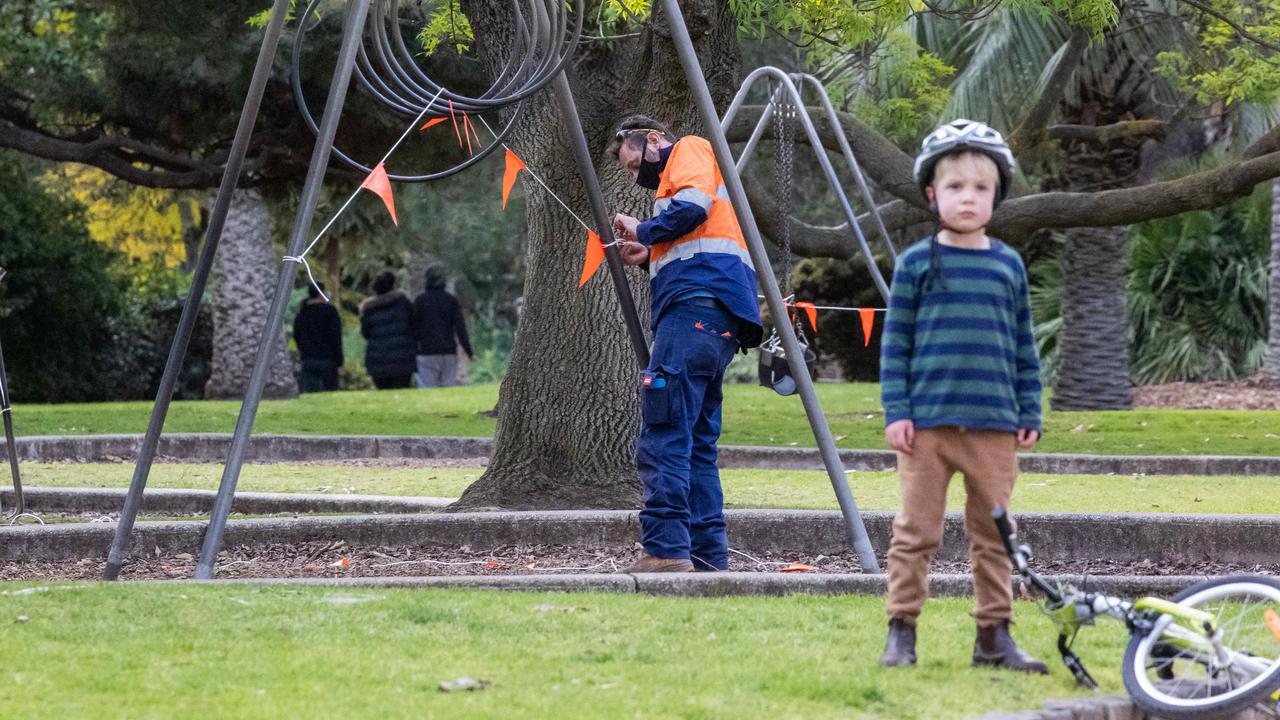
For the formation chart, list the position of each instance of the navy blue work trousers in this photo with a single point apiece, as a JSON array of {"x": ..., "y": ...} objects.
[{"x": 683, "y": 515}]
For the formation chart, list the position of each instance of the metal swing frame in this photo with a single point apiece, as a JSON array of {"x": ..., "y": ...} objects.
[{"x": 355, "y": 14}]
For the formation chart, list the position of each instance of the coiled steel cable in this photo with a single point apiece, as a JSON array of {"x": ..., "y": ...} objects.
[{"x": 390, "y": 76}]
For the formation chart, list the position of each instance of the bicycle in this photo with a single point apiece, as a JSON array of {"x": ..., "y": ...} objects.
[{"x": 1211, "y": 650}]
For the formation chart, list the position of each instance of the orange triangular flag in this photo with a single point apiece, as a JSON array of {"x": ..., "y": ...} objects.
[
  {"x": 514, "y": 166},
  {"x": 432, "y": 121},
  {"x": 595, "y": 254},
  {"x": 812, "y": 312},
  {"x": 868, "y": 316},
  {"x": 473, "y": 131},
  {"x": 379, "y": 184},
  {"x": 456, "y": 131}
]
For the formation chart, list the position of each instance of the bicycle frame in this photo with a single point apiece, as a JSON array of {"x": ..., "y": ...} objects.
[{"x": 1184, "y": 628}]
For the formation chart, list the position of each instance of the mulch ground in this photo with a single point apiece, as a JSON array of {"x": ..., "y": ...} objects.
[
  {"x": 1255, "y": 393},
  {"x": 337, "y": 559}
]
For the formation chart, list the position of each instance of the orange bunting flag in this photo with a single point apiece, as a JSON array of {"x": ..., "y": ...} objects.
[
  {"x": 595, "y": 254},
  {"x": 456, "y": 131},
  {"x": 812, "y": 312},
  {"x": 379, "y": 184},
  {"x": 514, "y": 166},
  {"x": 432, "y": 121},
  {"x": 868, "y": 316},
  {"x": 797, "y": 567}
]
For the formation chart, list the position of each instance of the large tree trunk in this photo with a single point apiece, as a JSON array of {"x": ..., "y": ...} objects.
[
  {"x": 1271, "y": 363},
  {"x": 570, "y": 403},
  {"x": 244, "y": 279},
  {"x": 1093, "y": 359}
]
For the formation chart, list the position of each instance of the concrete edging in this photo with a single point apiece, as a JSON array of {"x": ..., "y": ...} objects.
[
  {"x": 737, "y": 584},
  {"x": 1103, "y": 708},
  {"x": 187, "y": 502},
  {"x": 1241, "y": 539},
  {"x": 213, "y": 447}
]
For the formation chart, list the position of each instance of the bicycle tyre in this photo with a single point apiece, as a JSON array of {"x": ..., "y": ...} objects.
[{"x": 1145, "y": 655}]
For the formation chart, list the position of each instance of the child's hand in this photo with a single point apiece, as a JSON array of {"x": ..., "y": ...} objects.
[
  {"x": 900, "y": 435},
  {"x": 1027, "y": 437}
]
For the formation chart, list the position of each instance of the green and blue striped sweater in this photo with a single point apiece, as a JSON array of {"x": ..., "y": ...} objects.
[{"x": 962, "y": 354}]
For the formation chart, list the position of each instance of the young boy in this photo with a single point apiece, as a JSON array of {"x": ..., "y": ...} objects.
[{"x": 960, "y": 384}]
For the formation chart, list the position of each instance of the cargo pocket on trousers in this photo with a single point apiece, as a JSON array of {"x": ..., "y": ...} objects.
[{"x": 658, "y": 395}]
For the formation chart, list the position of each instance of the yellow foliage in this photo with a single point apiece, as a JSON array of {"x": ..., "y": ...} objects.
[{"x": 141, "y": 222}]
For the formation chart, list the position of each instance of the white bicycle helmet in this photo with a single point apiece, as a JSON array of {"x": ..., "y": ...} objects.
[{"x": 961, "y": 135}]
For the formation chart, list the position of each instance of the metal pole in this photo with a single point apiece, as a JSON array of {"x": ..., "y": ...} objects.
[
  {"x": 19, "y": 504},
  {"x": 352, "y": 28},
  {"x": 604, "y": 224},
  {"x": 191, "y": 308},
  {"x": 817, "y": 420}
]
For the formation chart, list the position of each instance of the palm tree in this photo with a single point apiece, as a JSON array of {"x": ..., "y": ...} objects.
[
  {"x": 244, "y": 273},
  {"x": 1271, "y": 365}
]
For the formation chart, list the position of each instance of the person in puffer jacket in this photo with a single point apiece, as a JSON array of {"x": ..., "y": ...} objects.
[{"x": 386, "y": 322}]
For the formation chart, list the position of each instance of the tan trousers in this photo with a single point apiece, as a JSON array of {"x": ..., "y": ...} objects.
[{"x": 988, "y": 461}]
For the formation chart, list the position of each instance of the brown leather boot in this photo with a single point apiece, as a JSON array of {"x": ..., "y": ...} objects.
[
  {"x": 650, "y": 564},
  {"x": 994, "y": 647},
  {"x": 900, "y": 648}
]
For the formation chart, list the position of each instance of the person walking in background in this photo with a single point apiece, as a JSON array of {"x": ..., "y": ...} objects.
[
  {"x": 317, "y": 329},
  {"x": 386, "y": 322},
  {"x": 438, "y": 331}
]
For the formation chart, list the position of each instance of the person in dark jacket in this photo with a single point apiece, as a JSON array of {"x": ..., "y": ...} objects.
[
  {"x": 317, "y": 330},
  {"x": 386, "y": 322},
  {"x": 439, "y": 329}
]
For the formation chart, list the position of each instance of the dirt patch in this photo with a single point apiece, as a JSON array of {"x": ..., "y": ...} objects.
[
  {"x": 1255, "y": 393},
  {"x": 337, "y": 559}
]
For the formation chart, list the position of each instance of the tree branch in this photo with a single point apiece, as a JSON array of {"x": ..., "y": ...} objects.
[
  {"x": 1240, "y": 29},
  {"x": 1107, "y": 133},
  {"x": 1200, "y": 191},
  {"x": 117, "y": 157},
  {"x": 1030, "y": 131},
  {"x": 1268, "y": 143}
]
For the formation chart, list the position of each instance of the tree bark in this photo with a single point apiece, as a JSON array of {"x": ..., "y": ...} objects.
[
  {"x": 569, "y": 406},
  {"x": 1271, "y": 362},
  {"x": 244, "y": 279},
  {"x": 1093, "y": 360}
]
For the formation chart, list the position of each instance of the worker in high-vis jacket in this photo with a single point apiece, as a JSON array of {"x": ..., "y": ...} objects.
[{"x": 704, "y": 309}]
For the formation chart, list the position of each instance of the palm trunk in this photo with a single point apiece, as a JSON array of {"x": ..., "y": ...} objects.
[
  {"x": 570, "y": 401},
  {"x": 244, "y": 278},
  {"x": 1271, "y": 362},
  {"x": 1093, "y": 355}
]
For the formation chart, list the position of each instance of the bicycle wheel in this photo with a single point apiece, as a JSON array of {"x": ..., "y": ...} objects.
[{"x": 1175, "y": 679}]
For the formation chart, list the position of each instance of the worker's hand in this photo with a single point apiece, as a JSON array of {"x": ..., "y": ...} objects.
[
  {"x": 624, "y": 227},
  {"x": 1027, "y": 437},
  {"x": 900, "y": 435},
  {"x": 633, "y": 253}
]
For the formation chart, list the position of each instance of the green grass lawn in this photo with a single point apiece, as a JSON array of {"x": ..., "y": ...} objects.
[
  {"x": 241, "y": 651},
  {"x": 743, "y": 488},
  {"x": 753, "y": 416}
]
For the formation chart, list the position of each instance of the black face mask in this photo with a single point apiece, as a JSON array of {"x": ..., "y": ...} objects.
[{"x": 650, "y": 173}]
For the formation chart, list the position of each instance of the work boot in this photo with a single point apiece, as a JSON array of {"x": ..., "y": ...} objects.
[
  {"x": 900, "y": 648},
  {"x": 650, "y": 564},
  {"x": 995, "y": 647}
]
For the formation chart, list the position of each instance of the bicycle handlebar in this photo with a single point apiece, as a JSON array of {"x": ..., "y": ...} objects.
[{"x": 1019, "y": 555}]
